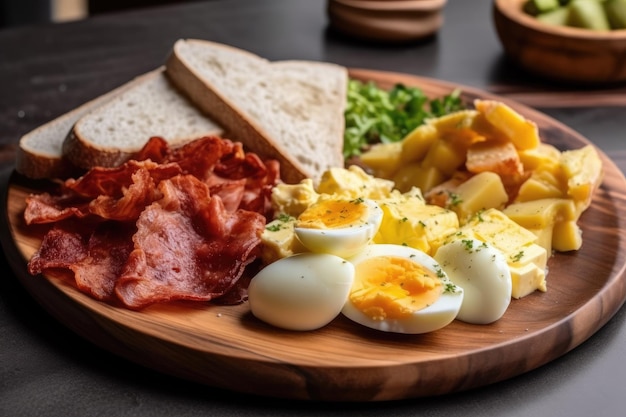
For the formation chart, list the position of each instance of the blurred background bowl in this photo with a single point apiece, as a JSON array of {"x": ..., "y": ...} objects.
[
  {"x": 386, "y": 20},
  {"x": 558, "y": 52}
]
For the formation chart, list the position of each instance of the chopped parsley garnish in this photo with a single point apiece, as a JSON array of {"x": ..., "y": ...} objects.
[
  {"x": 440, "y": 273},
  {"x": 479, "y": 215},
  {"x": 450, "y": 288},
  {"x": 357, "y": 200},
  {"x": 374, "y": 115},
  {"x": 284, "y": 217},
  {"x": 454, "y": 199},
  {"x": 468, "y": 244},
  {"x": 518, "y": 256},
  {"x": 279, "y": 222},
  {"x": 273, "y": 227}
]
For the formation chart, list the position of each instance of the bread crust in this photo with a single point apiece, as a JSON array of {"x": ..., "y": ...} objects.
[
  {"x": 86, "y": 152},
  {"x": 88, "y": 155},
  {"x": 39, "y": 166},
  {"x": 34, "y": 162}
]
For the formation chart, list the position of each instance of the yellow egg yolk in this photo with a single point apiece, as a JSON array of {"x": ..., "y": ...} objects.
[
  {"x": 333, "y": 214},
  {"x": 391, "y": 287}
]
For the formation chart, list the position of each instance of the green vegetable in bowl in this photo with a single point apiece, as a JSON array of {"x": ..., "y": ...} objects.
[
  {"x": 374, "y": 115},
  {"x": 586, "y": 14}
]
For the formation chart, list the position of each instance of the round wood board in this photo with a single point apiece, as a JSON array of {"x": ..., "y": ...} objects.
[{"x": 227, "y": 347}]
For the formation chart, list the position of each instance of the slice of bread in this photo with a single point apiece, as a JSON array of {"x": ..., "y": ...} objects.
[
  {"x": 40, "y": 155},
  {"x": 112, "y": 133},
  {"x": 292, "y": 111}
]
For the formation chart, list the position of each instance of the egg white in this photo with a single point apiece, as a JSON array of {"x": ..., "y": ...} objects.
[
  {"x": 434, "y": 317},
  {"x": 483, "y": 273},
  {"x": 301, "y": 292}
]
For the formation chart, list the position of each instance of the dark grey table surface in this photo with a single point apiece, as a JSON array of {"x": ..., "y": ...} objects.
[{"x": 46, "y": 70}]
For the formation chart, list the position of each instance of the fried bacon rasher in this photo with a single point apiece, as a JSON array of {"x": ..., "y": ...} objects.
[{"x": 170, "y": 224}]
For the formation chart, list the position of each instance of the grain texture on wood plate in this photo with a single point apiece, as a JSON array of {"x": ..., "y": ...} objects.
[{"x": 225, "y": 346}]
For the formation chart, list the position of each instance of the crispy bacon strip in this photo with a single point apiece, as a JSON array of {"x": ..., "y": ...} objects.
[
  {"x": 258, "y": 192},
  {"x": 119, "y": 193},
  {"x": 188, "y": 247},
  {"x": 95, "y": 253},
  {"x": 47, "y": 208},
  {"x": 200, "y": 158},
  {"x": 156, "y": 150},
  {"x": 112, "y": 181},
  {"x": 139, "y": 194},
  {"x": 178, "y": 224},
  {"x": 230, "y": 191}
]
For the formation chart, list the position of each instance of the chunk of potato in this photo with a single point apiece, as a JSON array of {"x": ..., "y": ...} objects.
[
  {"x": 415, "y": 175},
  {"x": 415, "y": 145},
  {"x": 444, "y": 156},
  {"x": 460, "y": 128},
  {"x": 583, "y": 169},
  {"x": 551, "y": 219},
  {"x": 544, "y": 157},
  {"x": 383, "y": 159},
  {"x": 567, "y": 236},
  {"x": 494, "y": 156},
  {"x": 523, "y": 133},
  {"x": 540, "y": 185},
  {"x": 542, "y": 213},
  {"x": 481, "y": 192}
]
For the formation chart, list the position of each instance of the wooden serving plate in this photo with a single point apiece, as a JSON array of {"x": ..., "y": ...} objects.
[{"x": 227, "y": 347}]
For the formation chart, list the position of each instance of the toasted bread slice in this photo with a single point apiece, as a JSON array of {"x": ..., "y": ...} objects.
[
  {"x": 112, "y": 133},
  {"x": 40, "y": 154},
  {"x": 292, "y": 111}
]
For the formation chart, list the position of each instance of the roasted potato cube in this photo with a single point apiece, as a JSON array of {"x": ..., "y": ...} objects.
[
  {"x": 383, "y": 159},
  {"x": 498, "y": 157},
  {"x": 539, "y": 186},
  {"x": 416, "y": 144},
  {"x": 444, "y": 156},
  {"x": 416, "y": 175},
  {"x": 543, "y": 157},
  {"x": 481, "y": 192},
  {"x": 556, "y": 214},
  {"x": 523, "y": 133},
  {"x": 583, "y": 169}
]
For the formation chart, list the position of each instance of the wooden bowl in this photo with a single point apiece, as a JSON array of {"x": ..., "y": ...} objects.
[
  {"x": 387, "y": 21},
  {"x": 560, "y": 53}
]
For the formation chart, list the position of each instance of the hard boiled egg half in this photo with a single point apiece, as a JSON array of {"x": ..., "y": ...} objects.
[
  {"x": 338, "y": 226},
  {"x": 301, "y": 292},
  {"x": 401, "y": 289},
  {"x": 484, "y": 274}
]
